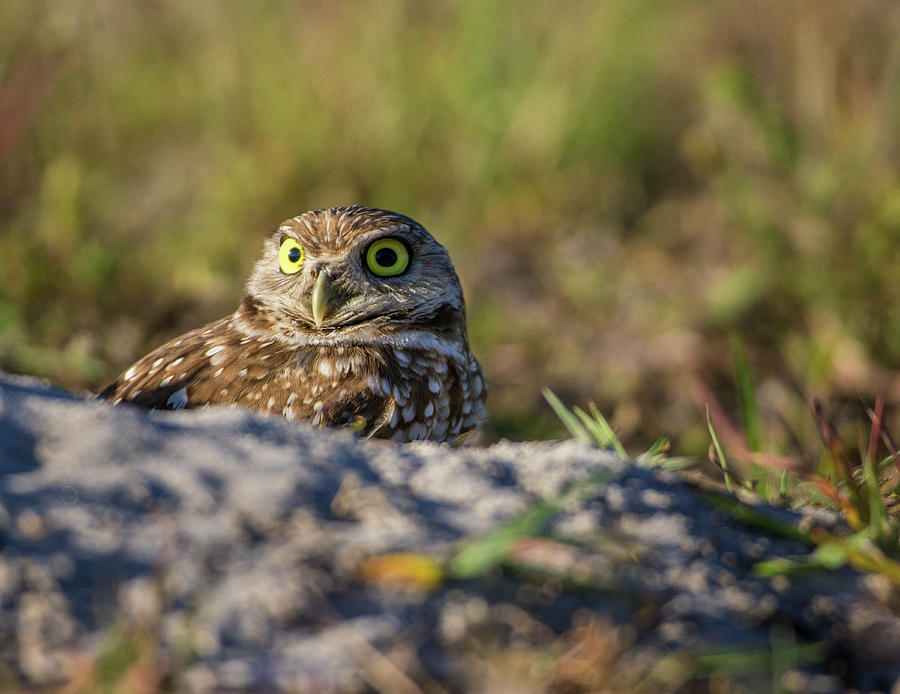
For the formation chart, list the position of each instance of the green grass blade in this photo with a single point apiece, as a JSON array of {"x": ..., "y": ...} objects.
[
  {"x": 719, "y": 453},
  {"x": 884, "y": 462},
  {"x": 570, "y": 421},
  {"x": 750, "y": 516},
  {"x": 752, "y": 661},
  {"x": 676, "y": 463},
  {"x": 483, "y": 553},
  {"x": 608, "y": 431},
  {"x": 656, "y": 451},
  {"x": 600, "y": 430},
  {"x": 660, "y": 446},
  {"x": 878, "y": 519},
  {"x": 600, "y": 439},
  {"x": 743, "y": 376},
  {"x": 781, "y": 567},
  {"x": 655, "y": 456}
]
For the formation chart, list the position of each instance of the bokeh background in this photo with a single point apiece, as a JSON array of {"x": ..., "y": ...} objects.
[{"x": 637, "y": 194}]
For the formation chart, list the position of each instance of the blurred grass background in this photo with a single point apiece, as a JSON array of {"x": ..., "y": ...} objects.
[{"x": 635, "y": 192}]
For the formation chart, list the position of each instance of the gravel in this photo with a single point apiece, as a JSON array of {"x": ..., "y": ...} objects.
[{"x": 228, "y": 545}]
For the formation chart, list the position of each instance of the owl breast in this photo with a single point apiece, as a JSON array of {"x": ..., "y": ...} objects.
[
  {"x": 406, "y": 394},
  {"x": 429, "y": 395}
]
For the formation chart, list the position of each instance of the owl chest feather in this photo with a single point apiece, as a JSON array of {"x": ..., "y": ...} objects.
[
  {"x": 404, "y": 394},
  {"x": 428, "y": 394}
]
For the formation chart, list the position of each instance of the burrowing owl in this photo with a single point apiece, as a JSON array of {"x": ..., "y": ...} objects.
[{"x": 353, "y": 316}]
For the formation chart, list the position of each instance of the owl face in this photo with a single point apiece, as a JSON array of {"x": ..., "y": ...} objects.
[{"x": 353, "y": 271}]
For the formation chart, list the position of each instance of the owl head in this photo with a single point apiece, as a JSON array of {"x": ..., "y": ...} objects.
[{"x": 356, "y": 272}]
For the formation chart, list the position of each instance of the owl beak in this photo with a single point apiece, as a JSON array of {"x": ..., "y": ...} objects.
[{"x": 321, "y": 295}]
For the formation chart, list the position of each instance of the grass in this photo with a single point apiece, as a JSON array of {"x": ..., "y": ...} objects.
[
  {"x": 860, "y": 488},
  {"x": 478, "y": 556},
  {"x": 618, "y": 207}
]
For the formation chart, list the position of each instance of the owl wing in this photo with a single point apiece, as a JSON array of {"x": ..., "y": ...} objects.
[
  {"x": 210, "y": 365},
  {"x": 217, "y": 364}
]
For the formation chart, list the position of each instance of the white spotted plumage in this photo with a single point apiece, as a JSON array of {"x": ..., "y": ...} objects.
[{"x": 389, "y": 357}]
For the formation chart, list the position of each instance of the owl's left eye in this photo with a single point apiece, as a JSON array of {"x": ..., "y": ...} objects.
[
  {"x": 387, "y": 257},
  {"x": 290, "y": 256}
]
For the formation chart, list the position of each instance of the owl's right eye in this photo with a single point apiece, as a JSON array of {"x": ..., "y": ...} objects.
[{"x": 290, "y": 256}]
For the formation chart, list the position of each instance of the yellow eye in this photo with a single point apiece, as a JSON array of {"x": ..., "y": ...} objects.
[
  {"x": 387, "y": 257},
  {"x": 290, "y": 256}
]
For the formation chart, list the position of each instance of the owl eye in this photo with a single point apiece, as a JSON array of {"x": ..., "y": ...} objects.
[
  {"x": 387, "y": 257},
  {"x": 290, "y": 256}
]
